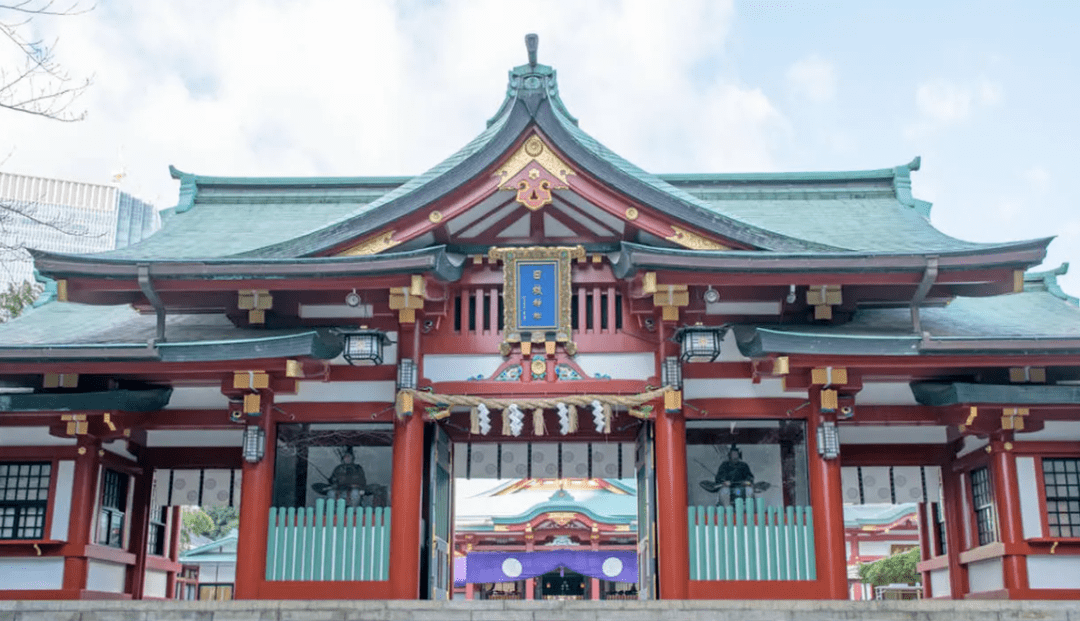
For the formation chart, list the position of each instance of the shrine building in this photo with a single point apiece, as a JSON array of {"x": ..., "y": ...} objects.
[{"x": 333, "y": 355}]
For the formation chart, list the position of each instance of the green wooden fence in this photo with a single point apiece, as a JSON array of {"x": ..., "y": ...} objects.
[
  {"x": 749, "y": 542},
  {"x": 311, "y": 543}
]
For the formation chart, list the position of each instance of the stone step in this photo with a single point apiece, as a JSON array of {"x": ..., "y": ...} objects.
[{"x": 717, "y": 610}]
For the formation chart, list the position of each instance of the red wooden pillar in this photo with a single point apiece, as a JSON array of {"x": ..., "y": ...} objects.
[
  {"x": 256, "y": 496},
  {"x": 1007, "y": 494},
  {"x": 140, "y": 526},
  {"x": 174, "y": 550},
  {"x": 80, "y": 527},
  {"x": 470, "y": 591},
  {"x": 405, "y": 503},
  {"x": 594, "y": 584},
  {"x": 530, "y": 589},
  {"x": 926, "y": 545},
  {"x": 952, "y": 493},
  {"x": 828, "y": 503},
  {"x": 673, "y": 544}
]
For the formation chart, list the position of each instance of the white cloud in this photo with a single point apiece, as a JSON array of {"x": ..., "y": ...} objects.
[
  {"x": 1038, "y": 178},
  {"x": 813, "y": 77},
  {"x": 381, "y": 87},
  {"x": 948, "y": 102}
]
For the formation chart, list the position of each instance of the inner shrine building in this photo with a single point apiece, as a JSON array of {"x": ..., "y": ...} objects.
[{"x": 330, "y": 354}]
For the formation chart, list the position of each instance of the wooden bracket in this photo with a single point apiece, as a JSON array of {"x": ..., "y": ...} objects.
[
  {"x": 60, "y": 380},
  {"x": 823, "y": 298}
]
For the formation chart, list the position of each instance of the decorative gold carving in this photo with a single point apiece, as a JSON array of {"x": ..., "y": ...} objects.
[
  {"x": 534, "y": 150},
  {"x": 60, "y": 380},
  {"x": 693, "y": 241},
  {"x": 832, "y": 295},
  {"x": 828, "y": 376},
  {"x": 61, "y": 290},
  {"x": 648, "y": 283},
  {"x": 435, "y": 216},
  {"x": 252, "y": 404},
  {"x": 545, "y": 172},
  {"x": 251, "y": 380},
  {"x": 76, "y": 424},
  {"x": 293, "y": 368},
  {"x": 538, "y": 367},
  {"x": 371, "y": 245},
  {"x": 781, "y": 365},
  {"x": 407, "y": 315},
  {"x": 632, "y": 213}
]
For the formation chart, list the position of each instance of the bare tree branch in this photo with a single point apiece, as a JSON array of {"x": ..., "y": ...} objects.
[{"x": 37, "y": 84}]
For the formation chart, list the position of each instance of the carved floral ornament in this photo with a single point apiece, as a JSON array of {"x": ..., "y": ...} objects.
[{"x": 533, "y": 171}]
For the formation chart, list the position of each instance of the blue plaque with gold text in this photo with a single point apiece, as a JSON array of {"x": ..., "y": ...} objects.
[{"x": 538, "y": 294}]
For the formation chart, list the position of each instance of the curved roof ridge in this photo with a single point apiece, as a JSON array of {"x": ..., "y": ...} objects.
[{"x": 1047, "y": 280}]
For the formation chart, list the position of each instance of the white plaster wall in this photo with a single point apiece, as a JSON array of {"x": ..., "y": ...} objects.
[
  {"x": 195, "y": 437},
  {"x": 729, "y": 349},
  {"x": 733, "y": 388},
  {"x": 105, "y": 577},
  {"x": 155, "y": 583},
  {"x": 972, "y": 444},
  {"x": 619, "y": 366},
  {"x": 119, "y": 447},
  {"x": 742, "y": 308},
  {"x": 1030, "y": 510},
  {"x": 890, "y": 434},
  {"x": 885, "y": 393},
  {"x": 61, "y": 501},
  {"x": 985, "y": 576},
  {"x": 458, "y": 368},
  {"x": 1054, "y": 572},
  {"x": 31, "y": 436},
  {"x": 197, "y": 398},
  {"x": 1054, "y": 431},
  {"x": 875, "y": 548},
  {"x": 325, "y": 392},
  {"x": 26, "y": 573},
  {"x": 939, "y": 583}
]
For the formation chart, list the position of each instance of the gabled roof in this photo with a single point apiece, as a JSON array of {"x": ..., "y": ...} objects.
[
  {"x": 296, "y": 218},
  {"x": 481, "y": 511}
]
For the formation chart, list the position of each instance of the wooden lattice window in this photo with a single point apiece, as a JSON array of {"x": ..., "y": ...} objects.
[
  {"x": 982, "y": 496},
  {"x": 24, "y": 499},
  {"x": 114, "y": 492},
  {"x": 1061, "y": 478},
  {"x": 155, "y": 541}
]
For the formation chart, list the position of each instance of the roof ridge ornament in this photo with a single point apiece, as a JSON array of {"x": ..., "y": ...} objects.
[{"x": 532, "y": 41}]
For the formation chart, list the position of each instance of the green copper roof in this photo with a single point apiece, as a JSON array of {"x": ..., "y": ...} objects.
[
  {"x": 1020, "y": 322},
  {"x": 69, "y": 331}
]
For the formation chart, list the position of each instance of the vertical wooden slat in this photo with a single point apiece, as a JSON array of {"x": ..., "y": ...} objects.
[
  {"x": 695, "y": 540},
  {"x": 338, "y": 568},
  {"x": 762, "y": 550},
  {"x": 370, "y": 545},
  {"x": 800, "y": 545},
  {"x": 361, "y": 546},
  {"x": 595, "y": 310},
  {"x": 493, "y": 304},
  {"x": 272, "y": 545},
  {"x": 319, "y": 543},
  {"x": 774, "y": 548},
  {"x": 289, "y": 558},
  {"x": 611, "y": 310},
  {"x": 751, "y": 541},
  {"x": 581, "y": 310},
  {"x": 811, "y": 558},
  {"x": 478, "y": 311},
  {"x": 789, "y": 542},
  {"x": 350, "y": 545},
  {"x": 385, "y": 563},
  {"x": 729, "y": 542},
  {"x": 720, "y": 555}
]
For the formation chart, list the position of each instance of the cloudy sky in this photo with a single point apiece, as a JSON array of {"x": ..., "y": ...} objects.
[{"x": 985, "y": 91}]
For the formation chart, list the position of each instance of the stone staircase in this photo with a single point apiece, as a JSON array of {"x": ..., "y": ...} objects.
[{"x": 930, "y": 610}]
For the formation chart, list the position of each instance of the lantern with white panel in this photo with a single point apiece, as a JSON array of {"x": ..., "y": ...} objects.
[
  {"x": 364, "y": 347},
  {"x": 700, "y": 343}
]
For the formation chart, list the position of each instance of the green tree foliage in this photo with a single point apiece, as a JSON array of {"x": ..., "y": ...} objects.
[
  {"x": 15, "y": 300},
  {"x": 895, "y": 569},
  {"x": 210, "y": 522}
]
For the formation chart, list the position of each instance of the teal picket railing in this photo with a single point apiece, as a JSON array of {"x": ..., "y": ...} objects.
[
  {"x": 312, "y": 543},
  {"x": 746, "y": 541}
]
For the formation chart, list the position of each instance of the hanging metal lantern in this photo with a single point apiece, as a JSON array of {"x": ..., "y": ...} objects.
[
  {"x": 365, "y": 346},
  {"x": 701, "y": 343}
]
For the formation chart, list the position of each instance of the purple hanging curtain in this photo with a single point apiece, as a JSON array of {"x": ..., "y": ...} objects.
[
  {"x": 459, "y": 571},
  {"x": 509, "y": 566}
]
